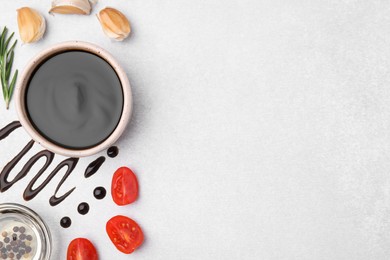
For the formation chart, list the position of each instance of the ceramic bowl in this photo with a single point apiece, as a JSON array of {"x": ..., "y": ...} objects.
[{"x": 22, "y": 85}]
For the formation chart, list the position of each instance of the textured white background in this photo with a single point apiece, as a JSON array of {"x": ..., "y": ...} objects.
[{"x": 261, "y": 129}]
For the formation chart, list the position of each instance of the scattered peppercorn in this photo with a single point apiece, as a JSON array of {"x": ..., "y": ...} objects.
[{"x": 14, "y": 245}]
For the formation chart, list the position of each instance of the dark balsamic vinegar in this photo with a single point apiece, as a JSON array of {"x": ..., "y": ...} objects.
[
  {"x": 70, "y": 163},
  {"x": 112, "y": 151},
  {"x": 74, "y": 99},
  {"x": 99, "y": 193},
  {"x": 94, "y": 166},
  {"x": 66, "y": 222},
  {"x": 83, "y": 208},
  {"x": 4, "y": 132},
  {"x": 31, "y": 192}
]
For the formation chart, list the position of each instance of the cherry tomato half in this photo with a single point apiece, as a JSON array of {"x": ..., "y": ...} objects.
[
  {"x": 124, "y": 187},
  {"x": 81, "y": 249},
  {"x": 124, "y": 233}
]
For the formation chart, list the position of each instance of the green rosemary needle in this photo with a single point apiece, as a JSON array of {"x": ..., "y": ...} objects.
[{"x": 6, "y": 61}]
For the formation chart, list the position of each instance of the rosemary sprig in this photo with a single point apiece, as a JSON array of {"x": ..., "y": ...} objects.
[{"x": 6, "y": 61}]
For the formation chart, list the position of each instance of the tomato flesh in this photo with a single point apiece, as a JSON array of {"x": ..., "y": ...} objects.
[
  {"x": 124, "y": 233},
  {"x": 124, "y": 187},
  {"x": 81, "y": 249}
]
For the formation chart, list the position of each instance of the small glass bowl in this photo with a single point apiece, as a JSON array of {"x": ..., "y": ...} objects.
[{"x": 23, "y": 234}]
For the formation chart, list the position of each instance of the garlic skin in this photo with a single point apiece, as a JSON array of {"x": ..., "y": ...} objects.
[
  {"x": 115, "y": 24},
  {"x": 93, "y": 2},
  {"x": 32, "y": 25},
  {"x": 70, "y": 7}
]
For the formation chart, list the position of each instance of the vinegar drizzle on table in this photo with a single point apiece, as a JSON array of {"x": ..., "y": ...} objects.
[{"x": 30, "y": 192}]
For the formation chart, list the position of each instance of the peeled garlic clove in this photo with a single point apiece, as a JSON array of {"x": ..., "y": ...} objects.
[
  {"x": 70, "y": 7},
  {"x": 32, "y": 25},
  {"x": 115, "y": 25}
]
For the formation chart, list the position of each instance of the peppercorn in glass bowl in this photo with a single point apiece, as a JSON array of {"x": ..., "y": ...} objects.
[{"x": 23, "y": 234}]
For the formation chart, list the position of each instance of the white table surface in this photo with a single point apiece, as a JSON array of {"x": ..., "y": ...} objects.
[{"x": 261, "y": 129}]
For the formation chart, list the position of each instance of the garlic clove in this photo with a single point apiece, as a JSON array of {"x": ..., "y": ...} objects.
[
  {"x": 31, "y": 23},
  {"x": 115, "y": 24},
  {"x": 70, "y": 7}
]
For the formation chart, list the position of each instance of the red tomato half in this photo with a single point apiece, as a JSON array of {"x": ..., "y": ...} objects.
[
  {"x": 81, "y": 249},
  {"x": 124, "y": 233},
  {"x": 124, "y": 187}
]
